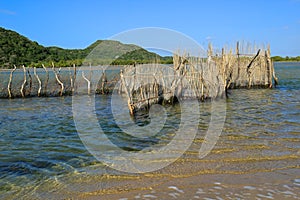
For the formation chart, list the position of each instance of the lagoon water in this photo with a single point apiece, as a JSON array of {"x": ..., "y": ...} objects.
[{"x": 257, "y": 155}]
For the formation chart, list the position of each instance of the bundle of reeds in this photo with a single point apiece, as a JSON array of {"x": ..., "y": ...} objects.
[{"x": 197, "y": 77}]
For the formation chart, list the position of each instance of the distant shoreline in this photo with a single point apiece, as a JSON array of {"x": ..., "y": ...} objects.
[
  {"x": 113, "y": 66},
  {"x": 286, "y": 61}
]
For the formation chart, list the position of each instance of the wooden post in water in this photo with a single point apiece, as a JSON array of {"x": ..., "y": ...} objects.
[
  {"x": 39, "y": 80},
  {"x": 58, "y": 80},
  {"x": 274, "y": 74},
  {"x": 88, "y": 82},
  {"x": 71, "y": 80},
  {"x": 30, "y": 80},
  {"x": 22, "y": 90},
  {"x": 272, "y": 70},
  {"x": 47, "y": 79},
  {"x": 90, "y": 72},
  {"x": 103, "y": 83},
  {"x": 209, "y": 52},
  {"x": 224, "y": 70},
  {"x": 238, "y": 61},
  {"x": 202, "y": 83},
  {"x": 249, "y": 70},
  {"x": 10, "y": 81},
  {"x": 269, "y": 68},
  {"x": 129, "y": 101},
  {"x": 74, "y": 77}
]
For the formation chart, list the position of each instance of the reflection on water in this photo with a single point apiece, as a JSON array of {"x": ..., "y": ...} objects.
[{"x": 256, "y": 157}]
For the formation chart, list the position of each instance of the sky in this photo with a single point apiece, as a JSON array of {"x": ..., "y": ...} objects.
[{"x": 79, "y": 23}]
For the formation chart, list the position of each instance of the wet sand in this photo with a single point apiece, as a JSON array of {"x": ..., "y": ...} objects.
[{"x": 226, "y": 173}]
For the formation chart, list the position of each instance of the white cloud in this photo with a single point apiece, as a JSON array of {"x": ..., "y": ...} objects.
[
  {"x": 209, "y": 37},
  {"x": 7, "y": 12}
]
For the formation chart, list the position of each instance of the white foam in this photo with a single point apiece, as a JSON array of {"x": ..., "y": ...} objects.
[
  {"x": 265, "y": 196},
  {"x": 149, "y": 196},
  {"x": 297, "y": 182},
  {"x": 288, "y": 193},
  {"x": 206, "y": 198},
  {"x": 175, "y": 188},
  {"x": 249, "y": 187},
  {"x": 174, "y": 195},
  {"x": 200, "y": 191}
]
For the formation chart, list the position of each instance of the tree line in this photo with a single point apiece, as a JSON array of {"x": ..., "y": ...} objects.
[
  {"x": 16, "y": 49},
  {"x": 286, "y": 59}
]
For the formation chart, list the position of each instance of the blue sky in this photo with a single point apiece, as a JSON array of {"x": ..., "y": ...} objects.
[{"x": 78, "y": 23}]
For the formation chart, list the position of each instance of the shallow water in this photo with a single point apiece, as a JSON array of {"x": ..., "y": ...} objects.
[{"x": 257, "y": 155}]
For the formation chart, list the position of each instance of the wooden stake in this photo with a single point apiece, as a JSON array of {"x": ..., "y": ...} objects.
[
  {"x": 39, "y": 80},
  {"x": 249, "y": 72},
  {"x": 88, "y": 82},
  {"x": 91, "y": 72},
  {"x": 30, "y": 80},
  {"x": 47, "y": 79},
  {"x": 274, "y": 75},
  {"x": 269, "y": 69},
  {"x": 57, "y": 79},
  {"x": 10, "y": 81},
  {"x": 71, "y": 80},
  {"x": 74, "y": 77},
  {"x": 129, "y": 101},
  {"x": 103, "y": 82},
  {"x": 24, "y": 82},
  {"x": 238, "y": 60}
]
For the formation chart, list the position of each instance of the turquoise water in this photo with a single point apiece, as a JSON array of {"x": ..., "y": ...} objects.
[{"x": 42, "y": 156}]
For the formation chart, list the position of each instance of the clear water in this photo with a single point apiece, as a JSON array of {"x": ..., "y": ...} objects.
[{"x": 256, "y": 157}]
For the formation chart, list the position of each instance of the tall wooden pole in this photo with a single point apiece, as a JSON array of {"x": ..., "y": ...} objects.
[{"x": 10, "y": 81}]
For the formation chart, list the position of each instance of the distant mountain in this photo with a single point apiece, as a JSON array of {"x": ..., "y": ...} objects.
[{"x": 16, "y": 49}]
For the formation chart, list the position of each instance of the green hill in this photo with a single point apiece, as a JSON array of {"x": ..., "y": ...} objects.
[{"x": 16, "y": 49}]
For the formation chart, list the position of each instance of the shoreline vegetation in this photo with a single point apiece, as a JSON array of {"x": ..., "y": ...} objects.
[
  {"x": 18, "y": 50},
  {"x": 285, "y": 59}
]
